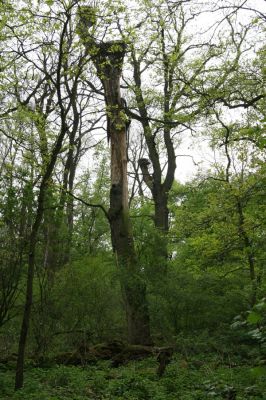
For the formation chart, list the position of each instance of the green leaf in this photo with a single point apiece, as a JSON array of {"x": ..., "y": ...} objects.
[
  {"x": 259, "y": 372},
  {"x": 254, "y": 317}
]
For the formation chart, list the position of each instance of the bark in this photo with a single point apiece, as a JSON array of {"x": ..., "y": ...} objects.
[
  {"x": 154, "y": 181},
  {"x": 66, "y": 201},
  {"x": 133, "y": 286},
  {"x": 108, "y": 59},
  {"x": 161, "y": 209},
  {"x": 161, "y": 212},
  {"x": 72, "y": 159},
  {"x": 158, "y": 187},
  {"x": 247, "y": 245},
  {"x": 37, "y": 222},
  {"x": 31, "y": 261},
  {"x": 164, "y": 358},
  {"x": 117, "y": 352}
]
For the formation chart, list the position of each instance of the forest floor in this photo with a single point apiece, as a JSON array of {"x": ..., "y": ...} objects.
[{"x": 197, "y": 377}]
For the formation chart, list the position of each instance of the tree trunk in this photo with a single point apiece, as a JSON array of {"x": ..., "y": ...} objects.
[
  {"x": 248, "y": 249},
  {"x": 38, "y": 218},
  {"x": 108, "y": 58},
  {"x": 31, "y": 259},
  {"x": 161, "y": 212},
  {"x": 29, "y": 291},
  {"x": 133, "y": 285},
  {"x": 154, "y": 181}
]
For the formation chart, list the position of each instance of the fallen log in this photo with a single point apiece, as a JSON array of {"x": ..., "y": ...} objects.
[{"x": 118, "y": 353}]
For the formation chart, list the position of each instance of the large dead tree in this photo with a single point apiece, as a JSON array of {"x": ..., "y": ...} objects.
[{"x": 108, "y": 59}]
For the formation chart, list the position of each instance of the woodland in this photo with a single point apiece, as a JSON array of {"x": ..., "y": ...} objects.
[{"x": 120, "y": 278}]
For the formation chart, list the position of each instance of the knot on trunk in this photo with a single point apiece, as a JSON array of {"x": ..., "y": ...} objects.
[{"x": 147, "y": 177}]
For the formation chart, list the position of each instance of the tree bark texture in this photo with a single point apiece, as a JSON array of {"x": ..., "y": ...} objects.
[
  {"x": 108, "y": 59},
  {"x": 248, "y": 248},
  {"x": 133, "y": 285},
  {"x": 159, "y": 188}
]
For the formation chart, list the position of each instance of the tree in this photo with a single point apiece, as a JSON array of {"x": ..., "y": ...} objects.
[
  {"x": 63, "y": 69},
  {"x": 56, "y": 76},
  {"x": 108, "y": 60},
  {"x": 219, "y": 228},
  {"x": 171, "y": 88}
]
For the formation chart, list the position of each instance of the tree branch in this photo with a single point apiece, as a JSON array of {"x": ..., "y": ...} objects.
[{"x": 90, "y": 204}]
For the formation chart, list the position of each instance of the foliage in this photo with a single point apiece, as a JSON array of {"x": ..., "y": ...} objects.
[
  {"x": 203, "y": 265},
  {"x": 252, "y": 324},
  {"x": 188, "y": 377}
]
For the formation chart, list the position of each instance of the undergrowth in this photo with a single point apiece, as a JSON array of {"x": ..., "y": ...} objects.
[{"x": 193, "y": 377}]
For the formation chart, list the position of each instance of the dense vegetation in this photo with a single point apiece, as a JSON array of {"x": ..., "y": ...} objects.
[{"x": 132, "y": 284}]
